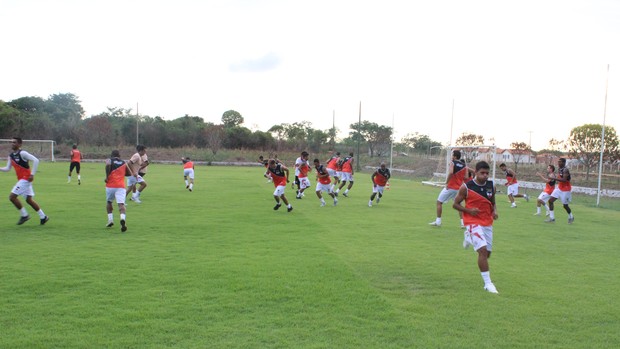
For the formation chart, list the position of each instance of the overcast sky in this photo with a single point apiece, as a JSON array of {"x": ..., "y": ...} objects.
[{"x": 515, "y": 69}]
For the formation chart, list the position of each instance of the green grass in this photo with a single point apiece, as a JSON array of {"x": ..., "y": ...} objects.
[{"x": 218, "y": 268}]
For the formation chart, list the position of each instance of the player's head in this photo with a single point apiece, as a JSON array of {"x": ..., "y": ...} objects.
[
  {"x": 16, "y": 143},
  {"x": 272, "y": 163},
  {"x": 337, "y": 153},
  {"x": 187, "y": 158},
  {"x": 502, "y": 166},
  {"x": 551, "y": 168},
  {"x": 351, "y": 154},
  {"x": 115, "y": 154},
  {"x": 456, "y": 154},
  {"x": 562, "y": 162},
  {"x": 304, "y": 154},
  {"x": 260, "y": 158},
  {"x": 383, "y": 165},
  {"x": 140, "y": 148},
  {"x": 74, "y": 146},
  {"x": 482, "y": 170}
]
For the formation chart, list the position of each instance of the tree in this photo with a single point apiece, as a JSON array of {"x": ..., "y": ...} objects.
[
  {"x": 214, "y": 135},
  {"x": 231, "y": 119},
  {"x": 584, "y": 144},
  {"x": 376, "y": 136},
  {"x": 468, "y": 141},
  {"x": 421, "y": 144},
  {"x": 277, "y": 131},
  {"x": 519, "y": 151}
]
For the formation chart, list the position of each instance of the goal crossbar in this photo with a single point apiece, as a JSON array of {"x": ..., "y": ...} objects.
[{"x": 51, "y": 142}]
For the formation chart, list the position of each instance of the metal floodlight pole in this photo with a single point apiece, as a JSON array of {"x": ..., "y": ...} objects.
[{"x": 600, "y": 162}]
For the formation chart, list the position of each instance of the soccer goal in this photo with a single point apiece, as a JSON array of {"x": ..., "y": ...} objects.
[
  {"x": 42, "y": 149},
  {"x": 469, "y": 154}
]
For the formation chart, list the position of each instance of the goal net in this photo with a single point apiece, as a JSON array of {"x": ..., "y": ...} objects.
[
  {"x": 469, "y": 154},
  {"x": 42, "y": 149}
]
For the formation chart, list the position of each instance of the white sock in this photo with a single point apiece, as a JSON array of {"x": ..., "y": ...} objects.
[
  {"x": 289, "y": 206},
  {"x": 79, "y": 177},
  {"x": 322, "y": 200},
  {"x": 123, "y": 216},
  {"x": 346, "y": 191},
  {"x": 68, "y": 178},
  {"x": 41, "y": 214},
  {"x": 547, "y": 207},
  {"x": 110, "y": 217},
  {"x": 23, "y": 212},
  {"x": 570, "y": 215},
  {"x": 186, "y": 183},
  {"x": 551, "y": 214},
  {"x": 438, "y": 220},
  {"x": 486, "y": 276},
  {"x": 462, "y": 222},
  {"x": 191, "y": 186},
  {"x": 537, "y": 209}
]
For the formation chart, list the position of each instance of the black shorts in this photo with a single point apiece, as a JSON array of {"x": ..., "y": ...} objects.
[
  {"x": 141, "y": 174},
  {"x": 76, "y": 166}
]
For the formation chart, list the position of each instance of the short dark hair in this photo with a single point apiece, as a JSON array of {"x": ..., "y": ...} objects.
[
  {"x": 140, "y": 147},
  {"x": 74, "y": 146},
  {"x": 456, "y": 154},
  {"x": 115, "y": 154},
  {"x": 338, "y": 153},
  {"x": 502, "y": 165},
  {"x": 483, "y": 165},
  {"x": 552, "y": 167},
  {"x": 317, "y": 160},
  {"x": 562, "y": 159},
  {"x": 304, "y": 153},
  {"x": 18, "y": 139},
  {"x": 272, "y": 162}
]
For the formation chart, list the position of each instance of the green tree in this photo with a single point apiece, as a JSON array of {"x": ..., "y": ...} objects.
[
  {"x": 214, "y": 135},
  {"x": 469, "y": 142},
  {"x": 584, "y": 144},
  {"x": 377, "y": 137},
  {"x": 231, "y": 119},
  {"x": 519, "y": 151}
]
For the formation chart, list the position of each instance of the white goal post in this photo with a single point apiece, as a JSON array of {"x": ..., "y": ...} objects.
[
  {"x": 471, "y": 154},
  {"x": 43, "y": 149}
]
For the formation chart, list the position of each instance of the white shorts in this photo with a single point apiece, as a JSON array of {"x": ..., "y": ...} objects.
[
  {"x": 188, "y": 172},
  {"x": 117, "y": 194},
  {"x": 480, "y": 236},
  {"x": 23, "y": 188},
  {"x": 564, "y": 196},
  {"x": 279, "y": 190},
  {"x": 544, "y": 197},
  {"x": 304, "y": 182},
  {"x": 513, "y": 189},
  {"x": 131, "y": 180},
  {"x": 324, "y": 187},
  {"x": 378, "y": 189},
  {"x": 447, "y": 194},
  {"x": 346, "y": 176},
  {"x": 332, "y": 173}
]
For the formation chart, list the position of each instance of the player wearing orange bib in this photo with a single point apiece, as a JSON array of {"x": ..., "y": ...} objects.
[
  {"x": 323, "y": 183},
  {"x": 188, "y": 172},
  {"x": 302, "y": 167},
  {"x": 562, "y": 192},
  {"x": 379, "y": 180},
  {"x": 76, "y": 158},
  {"x": 346, "y": 174},
  {"x": 544, "y": 197},
  {"x": 457, "y": 173},
  {"x": 280, "y": 176},
  {"x": 332, "y": 169},
  {"x": 512, "y": 186},
  {"x": 479, "y": 213},
  {"x": 20, "y": 160},
  {"x": 115, "y": 172}
]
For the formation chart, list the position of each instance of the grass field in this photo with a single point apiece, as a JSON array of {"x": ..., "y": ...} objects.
[{"x": 218, "y": 268}]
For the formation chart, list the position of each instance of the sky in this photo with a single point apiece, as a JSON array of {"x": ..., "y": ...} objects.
[{"x": 511, "y": 71}]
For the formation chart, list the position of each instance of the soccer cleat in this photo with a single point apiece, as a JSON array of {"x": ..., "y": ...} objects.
[
  {"x": 490, "y": 288},
  {"x": 79, "y": 182},
  {"x": 513, "y": 206},
  {"x": 336, "y": 193},
  {"x": 136, "y": 200},
  {"x": 298, "y": 197},
  {"x": 571, "y": 220},
  {"x": 23, "y": 220},
  {"x": 370, "y": 203},
  {"x": 322, "y": 204},
  {"x": 547, "y": 213},
  {"x": 335, "y": 201},
  {"x": 110, "y": 223},
  {"x": 276, "y": 207},
  {"x": 123, "y": 226},
  {"x": 345, "y": 195},
  {"x": 378, "y": 199},
  {"x": 526, "y": 197},
  {"x": 44, "y": 220},
  {"x": 550, "y": 220},
  {"x": 434, "y": 224},
  {"x": 289, "y": 209},
  {"x": 187, "y": 186},
  {"x": 537, "y": 214}
]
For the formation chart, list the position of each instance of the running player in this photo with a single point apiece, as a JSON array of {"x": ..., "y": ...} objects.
[
  {"x": 115, "y": 172},
  {"x": 280, "y": 176},
  {"x": 323, "y": 183},
  {"x": 346, "y": 174},
  {"x": 543, "y": 198},
  {"x": 563, "y": 192},
  {"x": 188, "y": 173},
  {"x": 458, "y": 173},
  {"x": 76, "y": 158},
  {"x": 302, "y": 167},
  {"x": 512, "y": 186},
  {"x": 379, "y": 180}
]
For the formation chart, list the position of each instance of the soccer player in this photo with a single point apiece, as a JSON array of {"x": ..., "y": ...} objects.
[
  {"x": 458, "y": 173},
  {"x": 512, "y": 185},
  {"x": 20, "y": 160},
  {"x": 265, "y": 163},
  {"x": 379, "y": 180},
  {"x": 115, "y": 172},
  {"x": 332, "y": 169},
  {"x": 346, "y": 174},
  {"x": 543, "y": 198},
  {"x": 323, "y": 183},
  {"x": 76, "y": 158},
  {"x": 188, "y": 173},
  {"x": 280, "y": 175},
  {"x": 302, "y": 167},
  {"x": 135, "y": 164},
  {"x": 562, "y": 192},
  {"x": 479, "y": 213}
]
